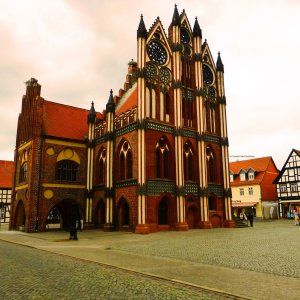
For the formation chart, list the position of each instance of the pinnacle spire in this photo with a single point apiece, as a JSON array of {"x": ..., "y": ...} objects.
[
  {"x": 92, "y": 114},
  {"x": 110, "y": 106},
  {"x": 142, "y": 31},
  {"x": 175, "y": 19},
  {"x": 197, "y": 30},
  {"x": 220, "y": 66}
]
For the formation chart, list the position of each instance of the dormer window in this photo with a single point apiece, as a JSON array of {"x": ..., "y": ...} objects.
[
  {"x": 242, "y": 176},
  {"x": 231, "y": 177},
  {"x": 251, "y": 175}
]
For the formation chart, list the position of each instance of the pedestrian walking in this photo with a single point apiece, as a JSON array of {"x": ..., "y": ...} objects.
[
  {"x": 296, "y": 218},
  {"x": 250, "y": 218},
  {"x": 245, "y": 218}
]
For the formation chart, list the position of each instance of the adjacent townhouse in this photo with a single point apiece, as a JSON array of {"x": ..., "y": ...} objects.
[
  {"x": 288, "y": 186},
  {"x": 253, "y": 188}
]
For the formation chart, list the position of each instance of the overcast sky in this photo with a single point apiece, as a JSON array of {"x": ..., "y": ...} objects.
[{"x": 79, "y": 50}]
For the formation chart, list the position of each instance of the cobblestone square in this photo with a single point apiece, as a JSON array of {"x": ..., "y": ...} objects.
[{"x": 255, "y": 263}]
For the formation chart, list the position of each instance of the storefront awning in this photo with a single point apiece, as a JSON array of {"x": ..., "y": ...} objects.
[{"x": 243, "y": 204}]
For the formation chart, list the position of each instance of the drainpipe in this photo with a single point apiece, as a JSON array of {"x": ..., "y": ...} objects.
[{"x": 38, "y": 185}]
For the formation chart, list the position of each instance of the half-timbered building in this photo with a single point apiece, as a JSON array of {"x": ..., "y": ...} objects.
[
  {"x": 6, "y": 181},
  {"x": 288, "y": 185},
  {"x": 155, "y": 159}
]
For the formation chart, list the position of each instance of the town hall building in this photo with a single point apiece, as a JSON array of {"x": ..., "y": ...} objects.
[{"x": 155, "y": 159}]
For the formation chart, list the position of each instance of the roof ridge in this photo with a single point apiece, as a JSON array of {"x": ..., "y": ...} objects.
[{"x": 67, "y": 105}]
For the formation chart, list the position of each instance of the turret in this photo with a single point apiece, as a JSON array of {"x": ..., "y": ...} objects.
[
  {"x": 220, "y": 66},
  {"x": 110, "y": 106},
  {"x": 197, "y": 30},
  {"x": 92, "y": 114},
  {"x": 142, "y": 31},
  {"x": 175, "y": 19},
  {"x": 33, "y": 88}
]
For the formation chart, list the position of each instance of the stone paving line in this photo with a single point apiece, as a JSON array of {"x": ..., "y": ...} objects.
[{"x": 190, "y": 256}]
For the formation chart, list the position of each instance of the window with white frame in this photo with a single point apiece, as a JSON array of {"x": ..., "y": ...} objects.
[
  {"x": 291, "y": 172},
  {"x": 250, "y": 190},
  {"x": 251, "y": 175},
  {"x": 242, "y": 192},
  {"x": 293, "y": 187},
  {"x": 242, "y": 176},
  {"x": 231, "y": 177},
  {"x": 282, "y": 188}
]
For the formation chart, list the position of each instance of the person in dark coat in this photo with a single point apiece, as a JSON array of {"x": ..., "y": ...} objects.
[
  {"x": 250, "y": 218},
  {"x": 75, "y": 223}
]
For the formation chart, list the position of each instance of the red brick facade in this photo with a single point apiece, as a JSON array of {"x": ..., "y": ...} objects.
[{"x": 155, "y": 159}]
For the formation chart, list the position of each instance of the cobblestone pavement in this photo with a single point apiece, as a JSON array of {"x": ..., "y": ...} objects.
[
  {"x": 269, "y": 247},
  {"x": 259, "y": 263},
  {"x": 28, "y": 273}
]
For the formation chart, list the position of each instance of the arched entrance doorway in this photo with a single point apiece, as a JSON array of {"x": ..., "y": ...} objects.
[
  {"x": 100, "y": 216},
  {"x": 20, "y": 218},
  {"x": 191, "y": 217},
  {"x": 123, "y": 215},
  {"x": 163, "y": 212},
  {"x": 54, "y": 219},
  {"x": 67, "y": 210}
]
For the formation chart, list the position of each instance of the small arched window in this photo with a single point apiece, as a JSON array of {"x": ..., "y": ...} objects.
[
  {"x": 162, "y": 154},
  {"x": 122, "y": 166},
  {"x": 211, "y": 203},
  {"x": 23, "y": 172},
  {"x": 162, "y": 212},
  {"x": 102, "y": 169},
  {"x": 125, "y": 165},
  {"x": 167, "y": 103},
  {"x": 129, "y": 164},
  {"x": 210, "y": 165},
  {"x": 188, "y": 162},
  {"x": 66, "y": 170},
  {"x": 183, "y": 110}
]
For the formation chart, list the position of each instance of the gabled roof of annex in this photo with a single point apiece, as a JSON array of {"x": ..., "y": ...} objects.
[
  {"x": 6, "y": 174},
  {"x": 263, "y": 167},
  {"x": 64, "y": 121}
]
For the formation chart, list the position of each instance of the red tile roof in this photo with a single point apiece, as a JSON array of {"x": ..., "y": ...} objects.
[
  {"x": 128, "y": 101},
  {"x": 257, "y": 164},
  {"x": 6, "y": 173},
  {"x": 268, "y": 192},
  {"x": 64, "y": 121},
  {"x": 265, "y": 173}
]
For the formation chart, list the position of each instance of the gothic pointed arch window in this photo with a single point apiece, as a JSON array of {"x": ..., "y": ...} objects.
[
  {"x": 162, "y": 212},
  {"x": 162, "y": 155},
  {"x": 212, "y": 105},
  {"x": 164, "y": 98},
  {"x": 183, "y": 110},
  {"x": 122, "y": 166},
  {"x": 211, "y": 203},
  {"x": 125, "y": 161},
  {"x": 102, "y": 166},
  {"x": 188, "y": 162},
  {"x": 208, "y": 115},
  {"x": 211, "y": 172},
  {"x": 23, "y": 172},
  {"x": 167, "y": 104},
  {"x": 151, "y": 84},
  {"x": 129, "y": 164}
]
